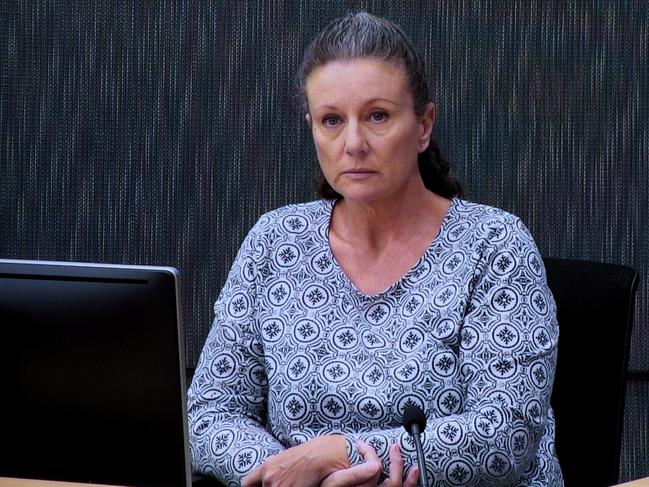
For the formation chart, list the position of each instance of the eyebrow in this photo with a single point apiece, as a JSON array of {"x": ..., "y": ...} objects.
[{"x": 368, "y": 102}]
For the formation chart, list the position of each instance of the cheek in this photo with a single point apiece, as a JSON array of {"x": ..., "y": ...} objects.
[
  {"x": 323, "y": 159},
  {"x": 320, "y": 154},
  {"x": 407, "y": 143},
  {"x": 324, "y": 147},
  {"x": 317, "y": 150},
  {"x": 393, "y": 148}
]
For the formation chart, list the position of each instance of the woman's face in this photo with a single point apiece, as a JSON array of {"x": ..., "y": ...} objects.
[{"x": 366, "y": 132}]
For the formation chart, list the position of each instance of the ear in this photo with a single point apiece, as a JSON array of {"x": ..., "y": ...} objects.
[
  {"x": 307, "y": 117},
  {"x": 426, "y": 122}
]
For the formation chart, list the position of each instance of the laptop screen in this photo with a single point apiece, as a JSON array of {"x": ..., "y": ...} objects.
[{"x": 92, "y": 374}]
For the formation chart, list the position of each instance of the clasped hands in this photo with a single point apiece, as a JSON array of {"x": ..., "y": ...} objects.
[{"x": 322, "y": 461}]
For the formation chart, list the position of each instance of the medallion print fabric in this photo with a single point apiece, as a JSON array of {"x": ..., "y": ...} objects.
[{"x": 469, "y": 334}]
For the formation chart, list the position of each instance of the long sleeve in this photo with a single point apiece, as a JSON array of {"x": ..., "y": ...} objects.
[
  {"x": 469, "y": 334},
  {"x": 505, "y": 356},
  {"x": 227, "y": 398}
]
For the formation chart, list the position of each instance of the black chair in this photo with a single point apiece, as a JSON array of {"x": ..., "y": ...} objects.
[
  {"x": 199, "y": 480},
  {"x": 595, "y": 304}
]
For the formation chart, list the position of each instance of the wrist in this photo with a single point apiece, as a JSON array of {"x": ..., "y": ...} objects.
[{"x": 331, "y": 452}]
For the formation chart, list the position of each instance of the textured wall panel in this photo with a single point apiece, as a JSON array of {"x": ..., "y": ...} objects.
[
  {"x": 157, "y": 132},
  {"x": 633, "y": 461}
]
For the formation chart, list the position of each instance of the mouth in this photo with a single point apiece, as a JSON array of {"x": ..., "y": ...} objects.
[
  {"x": 361, "y": 170},
  {"x": 359, "y": 173}
]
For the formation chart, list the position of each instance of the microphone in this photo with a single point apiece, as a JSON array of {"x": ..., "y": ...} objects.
[{"x": 414, "y": 422}]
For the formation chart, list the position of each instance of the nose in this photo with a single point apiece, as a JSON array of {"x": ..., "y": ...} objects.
[{"x": 355, "y": 140}]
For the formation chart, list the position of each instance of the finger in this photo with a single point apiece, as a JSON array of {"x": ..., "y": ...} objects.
[
  {"x": 253, "y": 478},
  {"x": 353, "y": 476},
  {"x": 372, "y": 460},
  {"x": 369, "y": 453},
  {"x": 396, "y": 468},
  {"x": 412, "y": 479},
  {"x": 368, "y": 471}
]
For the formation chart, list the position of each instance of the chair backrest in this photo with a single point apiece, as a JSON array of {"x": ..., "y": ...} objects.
[{"x": 595, "y": 304}]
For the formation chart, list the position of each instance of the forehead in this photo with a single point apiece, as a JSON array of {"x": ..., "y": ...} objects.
[{"x": 357, "y": 80}]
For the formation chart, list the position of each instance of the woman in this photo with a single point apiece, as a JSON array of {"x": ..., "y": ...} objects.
[{"x": 389, "y": 291}]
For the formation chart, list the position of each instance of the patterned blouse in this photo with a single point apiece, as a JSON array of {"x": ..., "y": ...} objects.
[{"x": 469, "y": 334}]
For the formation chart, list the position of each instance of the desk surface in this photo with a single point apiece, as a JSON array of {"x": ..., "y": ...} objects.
[
  {"x": 5, "y": 482},
  {"x": 636, "y": 483}
]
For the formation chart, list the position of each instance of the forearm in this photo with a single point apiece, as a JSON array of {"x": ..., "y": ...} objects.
[
  {"x": 229, "y": 448},
  {"x": 476, "y": 446},
  {"x": 304, "y": 465}
]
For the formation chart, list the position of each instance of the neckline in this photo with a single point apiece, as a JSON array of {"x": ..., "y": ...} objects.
[{"x": 347, "y": 280}]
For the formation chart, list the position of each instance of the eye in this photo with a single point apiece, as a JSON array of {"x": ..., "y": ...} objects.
[
  {"x": 331, "y": 121},
  {"x": 378, "y": 116}
]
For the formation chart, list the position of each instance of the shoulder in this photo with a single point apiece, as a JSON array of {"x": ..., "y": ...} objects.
[
  {"x": 296, "y": 217},
  {"x": 293, "y": 219},
  {"x": 480, "y": 213},
  {"x": 280, "y": 231},
  {"x": 488, "y": 223},
  {"x": 291, "y": 222},
  {"x": 506, "y": 256}
]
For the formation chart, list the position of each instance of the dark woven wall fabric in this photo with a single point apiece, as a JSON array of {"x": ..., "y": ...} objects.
[
  {"x": 157, "y": 132},
  {"x": 633, "y": 461}
]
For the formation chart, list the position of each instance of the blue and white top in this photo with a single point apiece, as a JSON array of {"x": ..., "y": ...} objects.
[{"x": 469, "y": 334}]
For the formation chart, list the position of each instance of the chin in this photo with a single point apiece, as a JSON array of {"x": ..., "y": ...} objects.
[{"x": 362, "y": 195}]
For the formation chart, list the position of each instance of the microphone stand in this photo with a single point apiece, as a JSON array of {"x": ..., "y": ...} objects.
[
  {"x": 414, "y": 422},
  {"x": 423, "y": 481}
]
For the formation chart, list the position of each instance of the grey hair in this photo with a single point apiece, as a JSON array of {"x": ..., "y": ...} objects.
[{"x": 362, "y": 35}]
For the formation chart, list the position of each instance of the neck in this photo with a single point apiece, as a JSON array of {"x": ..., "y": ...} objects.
[{"x": 377, "y": 224}]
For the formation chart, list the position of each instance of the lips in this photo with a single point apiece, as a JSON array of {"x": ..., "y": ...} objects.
[{"x": 359, "y": 173}]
